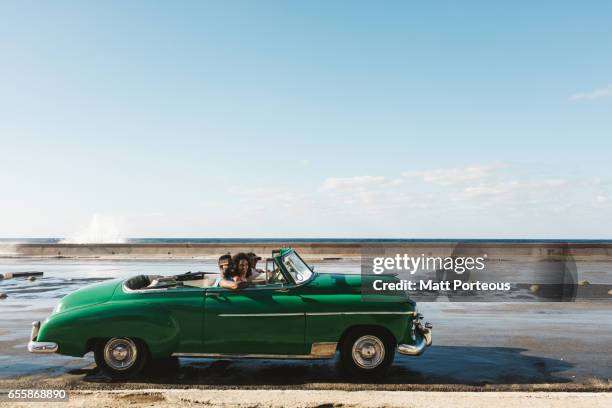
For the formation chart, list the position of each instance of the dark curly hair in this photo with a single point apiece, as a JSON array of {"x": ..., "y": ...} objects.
[{"x": 239, "y": 257}]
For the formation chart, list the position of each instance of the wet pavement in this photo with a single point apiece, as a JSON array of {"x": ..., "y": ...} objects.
[{"x": 499, "y": 345}]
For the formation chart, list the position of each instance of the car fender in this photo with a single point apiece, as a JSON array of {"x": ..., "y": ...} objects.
[{"x": 73, "y": 330}]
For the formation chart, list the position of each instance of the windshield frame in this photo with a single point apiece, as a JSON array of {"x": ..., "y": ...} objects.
[{"x": 280, "y": 262}]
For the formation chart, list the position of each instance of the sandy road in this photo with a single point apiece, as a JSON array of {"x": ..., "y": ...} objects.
[{"x": 302, "y": 398}]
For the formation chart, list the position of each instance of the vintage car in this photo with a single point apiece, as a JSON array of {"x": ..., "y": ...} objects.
[{"x": 292, "y": 312}]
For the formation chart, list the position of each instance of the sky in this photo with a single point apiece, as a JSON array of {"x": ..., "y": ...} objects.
[{"x": 405, "y": 119}]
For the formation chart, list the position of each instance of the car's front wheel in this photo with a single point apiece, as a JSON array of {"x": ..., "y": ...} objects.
[
  {"x": 367, "y": 352},
  {"x": 120, "y": 357}
]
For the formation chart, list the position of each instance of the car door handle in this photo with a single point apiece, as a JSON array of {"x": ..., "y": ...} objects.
[
  {"x": 283, "y": 290},
  {"x": 212, "y": 295}
]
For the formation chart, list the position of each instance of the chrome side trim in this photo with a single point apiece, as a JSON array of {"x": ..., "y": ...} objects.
[
  {"x": 317, "y": 351},
  {"x": 312, "y": 314},
  {"x": 259, "y": 314},
  {"x": 264, "y": 356},
  {"x": 222, "y": 291},
  {"x": 359, "y": 313},
  {"x": 42, "y": 347}
]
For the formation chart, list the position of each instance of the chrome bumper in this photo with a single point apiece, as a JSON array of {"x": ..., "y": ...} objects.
[
  {"x": 423, "y": 341},
  {"x": 40, "y": 346}
]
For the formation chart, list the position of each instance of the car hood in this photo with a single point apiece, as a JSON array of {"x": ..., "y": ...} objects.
[
  {"x": 89, "y": 295},
  {"x": 345, "y": 283},
  {"x": 331, "y": 283}
]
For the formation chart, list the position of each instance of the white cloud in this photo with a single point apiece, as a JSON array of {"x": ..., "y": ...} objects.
[
  {"x": 478, "y": 200},
  {"x": 594, "y": 94},
  {"x": 356, "y": 183},
  {"x": 359, "y": 195},
  {"x": 153, "y": 214},
  {"x": 449, "y": 176},
  {"x": 395, "y": 182},
  {"x": 521, "y": 192},
  {"x": 463, "y": 189}
]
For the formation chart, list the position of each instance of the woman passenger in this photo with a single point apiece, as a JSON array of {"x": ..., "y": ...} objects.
[{"x": 241, "y": 260}]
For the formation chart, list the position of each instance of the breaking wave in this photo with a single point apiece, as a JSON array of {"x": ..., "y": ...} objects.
[{"x": 101, "y": 230}]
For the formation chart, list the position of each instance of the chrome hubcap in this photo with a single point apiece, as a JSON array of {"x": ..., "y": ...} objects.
[
  {"x": 368, "y": 352},
  {"x": 120, "y": 353}
]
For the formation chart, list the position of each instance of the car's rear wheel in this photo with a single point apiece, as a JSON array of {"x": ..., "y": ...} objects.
[
  {"x": 120, "y": 357},
  {"x": 367, "y": 352}
]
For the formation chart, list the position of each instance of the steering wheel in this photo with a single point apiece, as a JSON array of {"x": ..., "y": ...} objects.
[{"x": 275, "y": 276}]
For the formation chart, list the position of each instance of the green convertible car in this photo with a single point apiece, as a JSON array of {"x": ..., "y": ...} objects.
[{"x": 293, "y": 312}]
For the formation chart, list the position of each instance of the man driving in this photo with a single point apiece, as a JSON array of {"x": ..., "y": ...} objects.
[{"x": 256, "y": 274}]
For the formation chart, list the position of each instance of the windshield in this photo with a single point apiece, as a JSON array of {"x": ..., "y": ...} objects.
[{"x": 296, "y": 267}]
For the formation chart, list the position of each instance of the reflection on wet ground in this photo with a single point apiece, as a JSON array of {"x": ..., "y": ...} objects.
[
  {"x": 44, "y": 287},
  {"x": 440, "y": 365}
]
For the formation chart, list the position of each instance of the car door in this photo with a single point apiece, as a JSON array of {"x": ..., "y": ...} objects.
[
  {"x": 183, "y": 306},
  {"x": 264, "y": 320}
]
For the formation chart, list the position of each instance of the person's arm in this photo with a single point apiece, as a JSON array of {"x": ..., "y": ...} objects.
[
  {"x": 228, "y": 284},
  {"x": 231, "y": 284}
]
